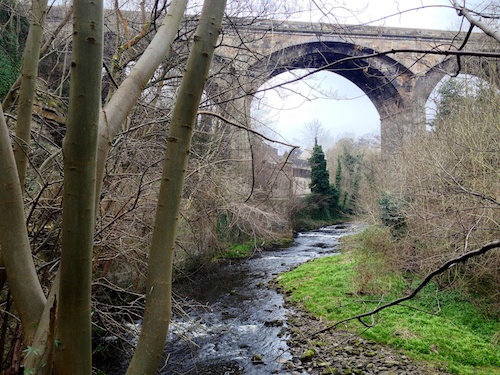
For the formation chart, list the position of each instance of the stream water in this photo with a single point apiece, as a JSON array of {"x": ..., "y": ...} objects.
[{"x": 234, "y": 323}]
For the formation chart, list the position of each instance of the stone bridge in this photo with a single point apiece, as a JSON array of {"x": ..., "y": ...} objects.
[
  {"x": 398, "y": 83},
  {"x": 251, "y": 51}
]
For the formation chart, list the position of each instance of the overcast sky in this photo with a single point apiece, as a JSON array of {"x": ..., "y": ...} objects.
[{"x": 351, "y": 113}]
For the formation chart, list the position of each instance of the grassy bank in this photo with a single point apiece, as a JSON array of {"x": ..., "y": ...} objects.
[
  {"x": 247, "y": 249},
  {"x": 439, "y": 326}
]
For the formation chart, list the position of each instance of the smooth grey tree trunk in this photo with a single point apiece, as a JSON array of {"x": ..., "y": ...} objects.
[
  {"x": 29, "y": 77},
  {"x": 159, "y": 280},
  {"x": 74, "y": 330},
  {"x": 14, "y": 242},
  {"x": 16, "y": 250}
]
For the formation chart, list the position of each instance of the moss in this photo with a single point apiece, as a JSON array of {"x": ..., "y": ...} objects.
[{"x": 308, "y": 355}]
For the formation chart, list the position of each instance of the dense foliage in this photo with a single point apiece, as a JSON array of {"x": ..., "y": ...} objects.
[{"x": 13, "y": 33}]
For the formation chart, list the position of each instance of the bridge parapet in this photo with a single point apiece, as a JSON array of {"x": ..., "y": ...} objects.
[{"x": 266, "y": 37}]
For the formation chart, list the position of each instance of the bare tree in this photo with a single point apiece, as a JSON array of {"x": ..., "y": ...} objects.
[
  {"x": 315, "y": 133},
  {"x": 159, "y": 283}
]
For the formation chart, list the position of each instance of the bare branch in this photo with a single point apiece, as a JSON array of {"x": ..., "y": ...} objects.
[
  {"x": 462, "y": 11},
  {"x": 466, "y": 190},
  {"x": 210, "y": 113}
]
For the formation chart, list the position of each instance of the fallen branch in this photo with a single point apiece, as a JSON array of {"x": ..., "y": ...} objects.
[{"x": 461, "y": 259}]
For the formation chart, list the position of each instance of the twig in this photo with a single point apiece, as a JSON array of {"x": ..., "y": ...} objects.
[
  {"x": 210, "y": 113},
  {"x": 462, "y": 11}
]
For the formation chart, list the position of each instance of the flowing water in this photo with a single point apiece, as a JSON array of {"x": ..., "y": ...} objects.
[{"x": 235, "y": 324}]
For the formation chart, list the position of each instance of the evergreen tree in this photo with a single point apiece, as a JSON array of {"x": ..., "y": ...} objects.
[
  {"x": 321, "y": 207},
  {"x": 338, "y": 174},
  {"x": 451, "y": 98},
  {"x": 320, "y": 178}
]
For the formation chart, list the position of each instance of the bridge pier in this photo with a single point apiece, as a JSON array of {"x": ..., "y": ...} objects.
[{"x": 399, "y": 123}]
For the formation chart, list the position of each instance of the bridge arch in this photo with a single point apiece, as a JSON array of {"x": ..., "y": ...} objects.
[
  {"x": 388, "y": 84},
  {"x": 326, "y": 98},
  {"x": 398, "y": 85},
  {"x": 470, "y": 66},
  {"x": 381, "y": 78}
]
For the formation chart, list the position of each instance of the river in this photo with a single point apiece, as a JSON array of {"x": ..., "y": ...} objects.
[{"x": 235, "y": 324}]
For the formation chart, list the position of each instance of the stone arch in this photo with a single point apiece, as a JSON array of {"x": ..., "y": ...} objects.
[
  {"x": 384, "y": 80},
  {"x": 395, "y": 84},
  {"x": 398, "y": 93},
  {"x": 470, "y": 68},
  {"x": 388, "y": 84},
  {"x": 474, "y": 66}
]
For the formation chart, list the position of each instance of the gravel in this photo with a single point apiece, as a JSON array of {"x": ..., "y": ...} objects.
[{"x": 341, "y": 352}]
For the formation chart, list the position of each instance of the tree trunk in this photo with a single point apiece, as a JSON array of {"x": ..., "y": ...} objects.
[
  {"x": 23, "y": 281},
  {"x": 28, "y": 87},
  {"x": 159, "y": 282},
  {"x": 16, "y": 251},
  {"x": 74, "y": 353},
  {"x": 123, "y": 100},
  {"x": 44, "y": 340}
]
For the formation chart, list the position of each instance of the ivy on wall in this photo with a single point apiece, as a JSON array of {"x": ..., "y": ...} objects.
[{"x": 14, "y": 28}]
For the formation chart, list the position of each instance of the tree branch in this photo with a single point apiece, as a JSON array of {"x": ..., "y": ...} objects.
[
  {"x": 461, "y": 259},
  {"x": 466, "y": 190},
  {"x": 220, "y": 117},
  {"x": 462, "y": 11}
]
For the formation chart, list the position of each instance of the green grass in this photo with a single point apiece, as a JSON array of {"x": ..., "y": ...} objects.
[
  {"x": 247, "y": 249},
  {"x": 238, "y": 251},
  {"x": 449, "y": 332}
]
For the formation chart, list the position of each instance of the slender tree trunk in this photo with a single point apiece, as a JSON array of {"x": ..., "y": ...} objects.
[
  {"x": 21, "y": 151},
  {"x": 159, "y": 282},
  {"x": 124, "y": 99},
  {"x": 28, "y": 87},
  {"x": 23, "y": 281},
  {"x": 16, "y": 250},
  {"x": 73, "y": 355}
]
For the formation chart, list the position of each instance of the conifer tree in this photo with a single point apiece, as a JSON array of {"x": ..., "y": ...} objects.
[
  {"x": 322, "y": 203},
  {"x": 320, "y": 178}
]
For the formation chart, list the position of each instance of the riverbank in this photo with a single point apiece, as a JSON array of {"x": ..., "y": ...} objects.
[
  {"x": 230, "y": 319},
  {"x": 340, "y": 352},
  {"x": 440, "y": 329}
]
